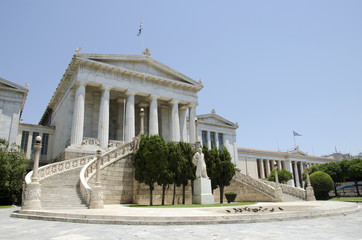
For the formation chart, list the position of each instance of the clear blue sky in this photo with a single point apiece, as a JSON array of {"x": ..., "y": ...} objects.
[{"x": 271, "y": 66}]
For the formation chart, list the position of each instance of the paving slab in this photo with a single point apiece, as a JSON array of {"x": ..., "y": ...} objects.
[
  {"x": 342, "y": 226},
  {"x": 260, "y": 212}
]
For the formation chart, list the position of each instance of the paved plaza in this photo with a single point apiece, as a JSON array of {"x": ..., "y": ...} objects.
[{"x": 344, "y": 226}]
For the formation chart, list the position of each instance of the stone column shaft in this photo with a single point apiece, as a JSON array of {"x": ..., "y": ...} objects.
[
  {"x": 267, "y": 167},
  {"x": 76, "y": 137},
  {"x": 153, "y": 129},
  {"x": 183, "y": 127},
  {"x": 103, "y": 124},
  {"x": 262, "y": 168},
  {"x": 175, "y": 122},
  {"x": 130, "y": 117},
  {"x": 295, "y": 167},
  {"x": 192, "y": 129}
]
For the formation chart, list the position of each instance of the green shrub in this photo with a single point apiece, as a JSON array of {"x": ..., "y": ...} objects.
[
  {"x": 322, "y": 183},
  {"x": 283, "y": 176},
  {"x": 230, "y": 196}
]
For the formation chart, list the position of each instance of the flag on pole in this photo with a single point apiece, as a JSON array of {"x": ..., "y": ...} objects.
[
  {"x": 295, "y": 134},
  {"x": 140, "y": 29}
]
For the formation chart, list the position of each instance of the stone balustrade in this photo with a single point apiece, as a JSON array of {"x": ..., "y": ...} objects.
[
  {"x": 89, "y": 170},
  {"x": 265, "y": 188},
  {"x": 58, "y": 167},
  {"x": 294, "y": 191}
]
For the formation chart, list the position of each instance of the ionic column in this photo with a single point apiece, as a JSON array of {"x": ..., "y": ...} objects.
[
  {"x": 76, "y": 136},
  {"x": 279, "y": 165},
  {"x": 120, "y": 119},
  {"x": 288, "y": 167},
  {"x": 267, "y": 168},
  {"x": 183, "y": 127},
  {"x": 262, "y": 168},
  {"x": 192, "y": 116},
  {"x": 103, "y": 123},
  {"x": 217, "y": 142},
  {"x": 175, "y": 122},
  {"x": 301, "y": 172},
  {"x": 130, "y": 117},
  {"x": 209, "y": 140},
  {"x": 153, "y": 116},
  {"x": 296, "y": 180}
]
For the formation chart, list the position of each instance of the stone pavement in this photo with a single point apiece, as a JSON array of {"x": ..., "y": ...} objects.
[{"x": 343, "y": 226}]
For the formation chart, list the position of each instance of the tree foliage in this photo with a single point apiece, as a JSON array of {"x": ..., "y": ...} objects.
[
  {"x": 13, "y": 165},
  {"x": 355, "y": 172},
  {"x": 189, "y": 168},
  {"x": 220, "y": 168},
  {"x": 322, "y": 183},
  {"x": 283, "y": 176},
  {"x": 151, "y": 161}
]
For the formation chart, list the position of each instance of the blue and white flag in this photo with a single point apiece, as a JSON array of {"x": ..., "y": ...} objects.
[
  {"x": 295, "y": 134},
  {"x": 140, "y": 30}
]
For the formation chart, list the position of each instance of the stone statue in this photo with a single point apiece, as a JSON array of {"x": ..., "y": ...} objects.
[{"x": 199, "y": 161}]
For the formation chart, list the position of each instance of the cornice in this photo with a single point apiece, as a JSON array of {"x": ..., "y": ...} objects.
[{"x": 147, "y": 76}]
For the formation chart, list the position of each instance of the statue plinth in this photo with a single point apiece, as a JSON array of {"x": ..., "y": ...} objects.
[
  {"x": 202, "y": 191},
  {"x": 31, "y": 197},
  {"x": 310, "y": 193}
]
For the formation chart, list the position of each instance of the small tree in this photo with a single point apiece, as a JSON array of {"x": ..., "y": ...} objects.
[
  {"x": 13, "y": 165},
  {"x": 211, "y": 158},
  {"x": 188, "y": 168},
  {"x": 355, "y": 172},
  {"x": 150, "y": 161},
  {"x": 176, "y": 162},
  {"x": 322, "y": 183},
  {"x": 283, "y": 176},
  {"x": 225, "y": 171},
  {"x": 334, "y": 170}
]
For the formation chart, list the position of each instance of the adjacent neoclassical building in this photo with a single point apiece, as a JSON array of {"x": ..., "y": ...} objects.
[{"x": 98, "y": 103}]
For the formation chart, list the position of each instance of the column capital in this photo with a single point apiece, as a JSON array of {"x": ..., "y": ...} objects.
[
  {"x": 153, "y": 97},
  {"x": 121, "y": 100},
  {"x": 80, "y": 83},
  {"x": 192, "y": 105},
  {"x": 174, "y": 101},
  {"x": 105, "y": 88},
  {"x": 130, "y": 93}
]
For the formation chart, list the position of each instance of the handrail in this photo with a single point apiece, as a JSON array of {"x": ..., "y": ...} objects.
[
  {"x": 294, "y": 191},
  {"x": 58, "y": 167},
  {"x": 267, "y": 189},
  {"x": 89, "y": 170}
]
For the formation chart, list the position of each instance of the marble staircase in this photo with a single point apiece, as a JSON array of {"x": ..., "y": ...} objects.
[{"x": 61, "y": 191}]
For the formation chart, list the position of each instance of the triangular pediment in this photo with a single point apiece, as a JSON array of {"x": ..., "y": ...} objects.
[
  {"x": 215, "y": 119},
  {"x": 297, "y": 152},
  {"x": 142, "y": 64}
]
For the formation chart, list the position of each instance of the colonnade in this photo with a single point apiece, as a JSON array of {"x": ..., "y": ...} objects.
[
  {"x": 178, "y": 118},
  {"x": 265, "y": 166}
]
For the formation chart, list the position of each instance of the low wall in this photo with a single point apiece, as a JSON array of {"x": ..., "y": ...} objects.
[{"x": 244, "y": 193}]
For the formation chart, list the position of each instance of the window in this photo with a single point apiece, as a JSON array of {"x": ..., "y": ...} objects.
[
  {"x": 44, "y": 145},
  {"x": 35, "y": 134},
  {"x": 204, "y": 138},
  {"x": 221, "y": 140},
  {"x": 24, "y": 141},
  {"x": 212, "y": 139}
]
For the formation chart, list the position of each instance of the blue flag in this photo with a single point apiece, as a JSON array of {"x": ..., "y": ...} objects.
[
  {"x": 295, "y": 134},
  {"x": 140, "y": 30}
]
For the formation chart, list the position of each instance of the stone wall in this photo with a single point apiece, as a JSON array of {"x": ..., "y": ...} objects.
[
  {"x": 244, "y": 193},
  {"x": 142, "y": 194},
  {"x": 117, "y": 182}
]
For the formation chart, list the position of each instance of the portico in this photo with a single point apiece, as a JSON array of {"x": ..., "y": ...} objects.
[{"x": 100, "y": 97}]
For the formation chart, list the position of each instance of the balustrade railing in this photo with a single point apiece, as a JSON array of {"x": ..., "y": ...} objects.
[
  {"x": 256, "y": 184},
  {"x": 294, "y": 191},
  {"x": 58, "y": 167},
  {"x": 89, "y": 170}
]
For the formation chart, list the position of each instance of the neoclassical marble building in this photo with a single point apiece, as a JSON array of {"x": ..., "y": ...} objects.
[
  {"x": 259, "y": 163},
  {"x": 98, "y": 103}
]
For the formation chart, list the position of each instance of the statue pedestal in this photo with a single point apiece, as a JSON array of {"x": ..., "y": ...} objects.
[
  {"x": 202, "y": 191},
  {"x": 96, "y": 198},
  {"x": 31, "y": 199}
]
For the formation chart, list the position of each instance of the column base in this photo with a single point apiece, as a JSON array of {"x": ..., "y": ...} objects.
[
  {"x": 31, "y": 197},
  {"x": 202, "y": 192}
]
